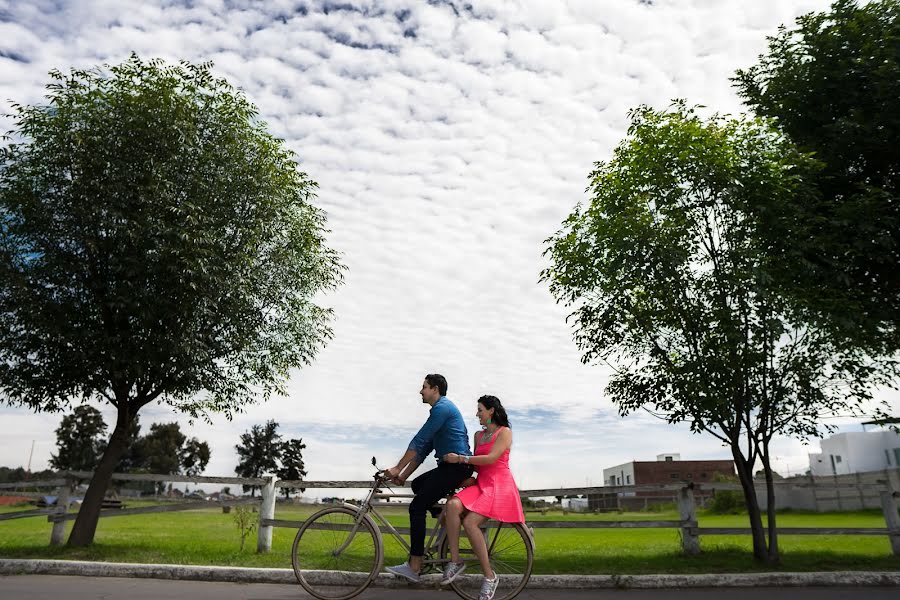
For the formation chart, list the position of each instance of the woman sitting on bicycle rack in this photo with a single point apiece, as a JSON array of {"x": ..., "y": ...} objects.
[{"x": 494, "y": 495}]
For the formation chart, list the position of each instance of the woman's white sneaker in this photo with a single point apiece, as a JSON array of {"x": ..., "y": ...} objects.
[
  {"x": 489, "y": 588},
  {"x": 452, "y": 571}
]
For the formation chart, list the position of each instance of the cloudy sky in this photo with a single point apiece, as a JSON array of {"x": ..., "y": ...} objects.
[{"x": 449, "y": 139}]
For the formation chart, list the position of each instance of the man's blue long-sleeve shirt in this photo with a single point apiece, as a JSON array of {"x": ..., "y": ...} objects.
[{"x": 444, "y": 431}]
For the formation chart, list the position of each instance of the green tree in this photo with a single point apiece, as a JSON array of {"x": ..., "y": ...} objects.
[
  {"x": 8, "y": 475},
  {"x": 159, "y": 451},
  {"x": 80, "y": 439},
  {"x": 166, "y": 450},
  {"x": 292, "y": 466},
  {"x": 669, "y": 283},
  {"x": 259, "y": 452},
  {"x": 194, "y": 456},
  {"x": 157, "y": 244},
  {"x": 832, "y": 84}
]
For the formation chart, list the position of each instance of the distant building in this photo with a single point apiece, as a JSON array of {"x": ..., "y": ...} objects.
[
  {"x": 856, "y": 452},
  {"x": 575, "y": 504},
  {"x": 665, "y": 470}
]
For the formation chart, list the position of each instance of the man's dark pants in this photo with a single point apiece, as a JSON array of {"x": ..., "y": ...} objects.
[{"x": 429, "y": 488}]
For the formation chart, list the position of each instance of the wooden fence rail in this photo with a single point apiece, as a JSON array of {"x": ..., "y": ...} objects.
[{"x": 682, "y": 493}]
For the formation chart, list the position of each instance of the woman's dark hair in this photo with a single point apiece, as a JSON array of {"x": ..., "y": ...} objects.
[
  {"x": 438, "y": 381},
  {"x": 499, "y": 417}
]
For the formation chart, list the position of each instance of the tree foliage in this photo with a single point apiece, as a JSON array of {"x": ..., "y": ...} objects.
[
  {"x": 166, "y": 450},
  {"x": 156, "y": 244},
  {"x": 292, "y": 466},
  {"x": 832, "y": 84},
  {"x": 670, "y": 280},
  {"x": 159, "y": 451},
  {"x": 10, "y": 475},
  {"x": 259, "y": 452},
  {"x": 80, "y": 440},
  {"x": 194, "y": 456}
]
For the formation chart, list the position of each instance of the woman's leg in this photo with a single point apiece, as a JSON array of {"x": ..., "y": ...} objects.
[
  {"x": 472, "y": 524},
  {"x": 453, "y": 512}
]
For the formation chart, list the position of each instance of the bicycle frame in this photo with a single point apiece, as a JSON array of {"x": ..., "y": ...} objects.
[{"x": 364, "y": 510}]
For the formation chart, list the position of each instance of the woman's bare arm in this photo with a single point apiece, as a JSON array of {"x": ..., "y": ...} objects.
[{"x": 501, "y": 445}]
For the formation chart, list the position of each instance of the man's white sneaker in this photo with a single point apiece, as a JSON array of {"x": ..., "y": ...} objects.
[
  {"x": 406, "y": 571},
  {"x": 452, "y": 571}
]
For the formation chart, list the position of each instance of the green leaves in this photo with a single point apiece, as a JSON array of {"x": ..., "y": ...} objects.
[
  {"x": 259, "y": 452},
  {"x": 292, "y": 466},
  {"x": 673, "y": 274},
  {"x": 157, "y": 242},
  {"x": 832, "y": 84},
  {"x": 79, "y": 440},
  {"x": 669, "y": 275}
]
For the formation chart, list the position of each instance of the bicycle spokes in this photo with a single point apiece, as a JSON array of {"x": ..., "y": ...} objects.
[
  {"x": 511, "y": 555},
  {"x": 335, "y": 555}
]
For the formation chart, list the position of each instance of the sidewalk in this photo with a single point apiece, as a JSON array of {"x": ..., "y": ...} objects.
[{"x": 9, "y": 566}]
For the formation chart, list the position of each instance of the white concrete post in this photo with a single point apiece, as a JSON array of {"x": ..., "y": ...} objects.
[
  {"x": 58, "y": 533},
  {"x": 889, "y": 505},
  {"x": 266, "y": 511},
  {"x": 690, "y": 541}
]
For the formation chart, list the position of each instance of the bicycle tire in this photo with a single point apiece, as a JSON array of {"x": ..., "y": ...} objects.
[
  {"x": 511, "y": 555},
  {"x": 320, "y": 571}
]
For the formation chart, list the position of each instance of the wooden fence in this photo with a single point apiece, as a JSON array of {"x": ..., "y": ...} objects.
[{"x": 684, "y": 493}]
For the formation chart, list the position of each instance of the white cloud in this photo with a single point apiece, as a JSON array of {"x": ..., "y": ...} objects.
[{"x": 447, "y": 147}]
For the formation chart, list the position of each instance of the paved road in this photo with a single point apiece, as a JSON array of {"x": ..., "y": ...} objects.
[{"x": 56, "y": 587}]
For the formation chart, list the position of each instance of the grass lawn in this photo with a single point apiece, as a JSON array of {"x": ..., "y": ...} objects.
[{"x": 209, "y": 537}]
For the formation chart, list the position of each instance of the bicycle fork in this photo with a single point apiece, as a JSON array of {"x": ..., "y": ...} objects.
[{"x": 360, "y": 515}]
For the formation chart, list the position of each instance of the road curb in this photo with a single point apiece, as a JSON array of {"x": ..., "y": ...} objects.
[{"x": 9, "y": 566}]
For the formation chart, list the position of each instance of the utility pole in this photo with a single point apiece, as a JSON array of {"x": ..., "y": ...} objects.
[{"x": 28, "y": 468}]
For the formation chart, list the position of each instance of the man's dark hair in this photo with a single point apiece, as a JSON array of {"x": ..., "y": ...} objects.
[{"x": 438, "y": 381}]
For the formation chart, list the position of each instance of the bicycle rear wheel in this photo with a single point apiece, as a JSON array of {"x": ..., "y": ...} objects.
[
  {"x": 328, "y": 563},
  {"x": 511, "y": 552}
]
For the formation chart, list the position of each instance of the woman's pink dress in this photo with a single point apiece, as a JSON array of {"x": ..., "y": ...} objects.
[{"x": 494, "y": 494}]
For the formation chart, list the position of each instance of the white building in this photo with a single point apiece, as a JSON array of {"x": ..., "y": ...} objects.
[
  {"x": 619, "y": 475},
  {"x": 575, "y": 504},
  {"x": 856, "y": 452}
]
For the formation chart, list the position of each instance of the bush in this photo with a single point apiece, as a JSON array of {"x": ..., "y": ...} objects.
[
  {"x": 727, "y": 502},
  {"x": 661, "y": 507},
  {"x": 246, "y": 524}
]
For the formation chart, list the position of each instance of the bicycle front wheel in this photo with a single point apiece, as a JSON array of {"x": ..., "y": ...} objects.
[
  {"x": 511, "y": 553},
  {"x": 330, "y": 560}
]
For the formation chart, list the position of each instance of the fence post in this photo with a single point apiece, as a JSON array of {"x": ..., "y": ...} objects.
[
  {"x": 58, "y": 533},
  {"x": 690, "y": 540},
  {"x": 889, "y": 506},
  {"x": 815, "y": 496},
  {"x": 266, "y": 511}
]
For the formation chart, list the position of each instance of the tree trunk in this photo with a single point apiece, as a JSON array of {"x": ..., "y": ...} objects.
[
  {"x": 86, "y": 522},
  {"x": 773, "y": 556},
  {"x": 745, "y": 474}
]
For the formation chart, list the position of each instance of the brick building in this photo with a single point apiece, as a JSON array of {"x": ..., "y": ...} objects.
[{"x": 667, "y": 469}]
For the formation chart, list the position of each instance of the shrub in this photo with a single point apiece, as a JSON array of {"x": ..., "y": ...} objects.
[{"x": 246, "y": 524}]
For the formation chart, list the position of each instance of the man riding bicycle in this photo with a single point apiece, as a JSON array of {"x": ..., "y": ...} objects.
[{"x": 444, "y": 432}]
